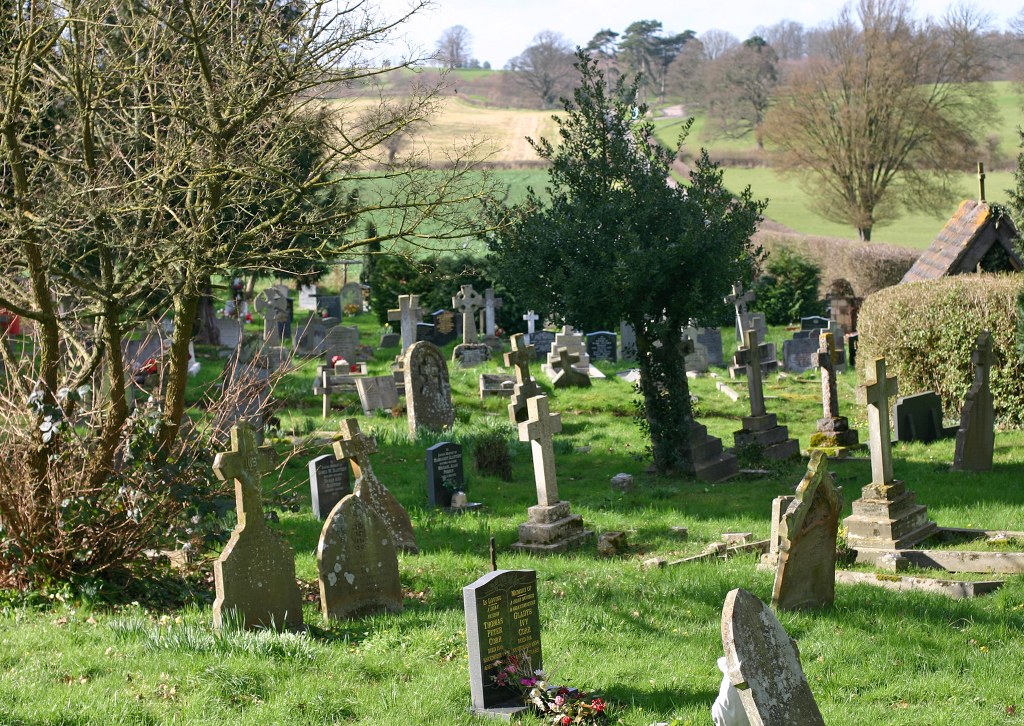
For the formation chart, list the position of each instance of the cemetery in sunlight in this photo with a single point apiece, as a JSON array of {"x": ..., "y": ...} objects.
[{"x": 296, "y": 429}]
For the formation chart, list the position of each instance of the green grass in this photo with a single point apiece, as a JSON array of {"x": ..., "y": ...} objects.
[{"x": 647, "y": 640}]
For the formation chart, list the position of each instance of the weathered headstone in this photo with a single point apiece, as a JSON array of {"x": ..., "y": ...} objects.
[
  {"x": 356, "y": 446},
  {"x": 551, "y": 526},
  {"x": 390, "y": 340},
  {"x": 328, "y": 483},
  {"x": 696, "y": 360},
  {"x": 739, "y": 300},
  {"x": 502, "y": 620},
  {"x": 761, "y": 429},
  {"x": 469, "y": 355},
  {"x": 428, "y": 392},
  {"x": 806, "y": 577},
  {"x": 357, "y": 563},
  {"x": 407, "y": 314},
  {"x": 886, "y": 516},
  {"x": 601, "y": 346},
  {"x": 330, "y": 305},
  {"x": 800, "y": 354},
  {"x": 310, "y": 336},
  {"x": 542, "y": 341},
  {"x": 919, "y": 418},
  {"x": 255, "y": 574},
  {"x": 975, "y": 440},
  {"x": 376, "y": 393},
  {"x": 834, "y": 435},
  {"x": 272, "y": 303},
  {"x": 341, "y": 341},
  {"x": 763, "y": 663},
  {"x": 446, "y": 473},
  {"x": 627, "y": 342},
  {"x": 230, "y": 332},
  {"x": 525, "y": 387},
  {"x": 711, "y": 339},
  {"x": 567, "y": 374},
  {"x": 496, "y": 384},
  {"x": 351, "y": 294}
]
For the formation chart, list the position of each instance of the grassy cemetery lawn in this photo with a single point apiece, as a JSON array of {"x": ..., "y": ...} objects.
[{"x": 646, "y": 640}]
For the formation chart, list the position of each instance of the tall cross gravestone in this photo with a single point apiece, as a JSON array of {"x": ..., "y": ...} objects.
[
  {"x": 356, "y": 446},
  {"x": 551, "y": 527},
  {"x": 886, "y": 516},
  {"x": 467, "y": 301},
  {"x": 408, "y": 314},
  {"x": 525, "y": 387},
  {"x": 761, "y": 430},
  {"x": 975, "y": 440},
  {"x": 531, "y": 319},
  {"x": 739, "y": 300},
  {"x": 255, "y": 574},
  {"x": 834, "y": 435},
  {"x": 491, "y": 305}
]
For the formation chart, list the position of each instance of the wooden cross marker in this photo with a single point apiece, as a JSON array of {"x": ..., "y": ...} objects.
[
  {"x": 739, "y": 299},
  {"x": 828, "y": 359},
  {"x": 355, "y": 446},
  {"x": 246, "y": 463},
  {"x": 408, "y": 313},
  {"x": 531, "y": 319},
  {"x": 539, "y": 429},
  {"x": 491, "y": 304},
  {"x": 752, "y": 360},
  {"x": 876, "y": 393},
  {"x": 520, "y": 357},
  {"x": 467, "y": 301}
]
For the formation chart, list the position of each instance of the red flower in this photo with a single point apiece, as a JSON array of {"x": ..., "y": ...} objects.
[
  {"x": 598, "y": 705},
  {"x": 566, "y": 720}
]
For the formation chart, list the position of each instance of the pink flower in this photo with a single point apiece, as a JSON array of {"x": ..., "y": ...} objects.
[
  {"x": 559, "y": 701},
  {"x": 528, "y": 682}
]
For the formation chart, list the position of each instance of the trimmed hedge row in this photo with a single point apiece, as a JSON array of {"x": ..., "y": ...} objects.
[
  {"x": 927, "y": 330},
  {"x": 868, "y": 266}
]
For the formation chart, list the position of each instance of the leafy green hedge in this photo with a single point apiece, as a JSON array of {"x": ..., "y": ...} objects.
[
  {"x": 927, "y": 330},
  {"x": 868, "y": 266}
]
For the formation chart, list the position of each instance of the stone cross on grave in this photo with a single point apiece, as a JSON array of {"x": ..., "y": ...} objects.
[
  {"x": 751, "y": 358},
  {"x": 246, "y": 464},
  {"x": 356, "y": 447},
  {"x": 531, "y": 319},
  {"x": 739, "y": 300},
  {"x": 467, "y": 301},
  {"x": 983, "y": 359},
  {"x": 520, "y": 358},
  {"x": 408, "y": 313},
  {"x": 828, "y": 358},
  {"x": 539, "y": 429},
  {"x": 491, "y": 305},
  {"x": 876, "y": 393}
]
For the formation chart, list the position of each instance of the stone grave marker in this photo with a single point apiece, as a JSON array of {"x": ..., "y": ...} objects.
[
  {"x": 356, "y": 446},
  {"x": 377, "y": 392},
  {"x": 307, "y": 297},
  {"x": 502, "y": 619},
  {"x": 328, "y": 483},
  {"x": 814, "y": 322},
  {"x": 351, "y": 294},
  {"x": 886, "y": 516},
  {"x": 496, "y": 384},
  {"x": 852, "y": 341},
  {"x": 919, "y": 418},
  {"x": 551, "y": 526},
  {"x": 542, "y": 341},
  {"x": 525, "y": 387},
  {"x": 759, "y": 322},
  {"x": 696, "y": 361},
  {"x": 834, "y": 435},
  {"x": 711, "y": 339},
  {"x": 567, "y": 373},
  {"x": 491, "y": 306},
  {"x": 975, "y": 440},
  {"x": 310, "y": 336},
  {"x": 329, "y": 304},
  {"x": 573, "y": 342},
  {"x": 761, "y": 429},
  {"x": 445, "y": 330},
  {"x": 627, "y": 341},
  {"x": 229, "y": 331},
  {"x": 601, "y": 346},
  {"x": 255, "y": 574},
  {"x": 339, "y": 378},
  {"x": 273, "y": 304},
  {"x": 390, "y": 340},
  {"x": 408, "y": 315},
  {"x": 341, "y": 341},
  {"x": 424, "y": 331},
  {"x": 428, "y": 392},
  {"x": 763, "y": 663},
  {"x": 467, "y": 301},
  {"x": 446, "y": 473},
  {"x": 470, "y": 355},
  {"x": 357, "y": 563},
  {"x": 806, "y": 573},
  {"x": 739, "y": 300},
  {"x": 800, "y": 354},
  {"x": 531, "y": 319}
]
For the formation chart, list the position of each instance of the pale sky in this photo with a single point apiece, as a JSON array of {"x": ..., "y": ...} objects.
[{"x": 502, "y": 29}]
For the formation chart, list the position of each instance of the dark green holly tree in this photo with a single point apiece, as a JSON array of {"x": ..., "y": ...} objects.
[{"x": 619, "y": 240}]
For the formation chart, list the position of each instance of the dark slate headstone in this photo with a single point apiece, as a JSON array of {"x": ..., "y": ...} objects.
[
  {"x": 627, "y": 341},
  {"x": 447, "y": 327},
  {"x": 542, "y": 340},
  {"x": 390, "y": 340},
  {"x": 800, "y": 354},
  {"x": 711, "y": 338},
  {"x": 426, "y": 331},
  {"x": 331, "y": 304},
  {"x": 919, "y": 418},
  {"x": 814, "y": 322},
  {"x": 501, "y": 620},
  {"x": 328, "y": 483},
  {"x": 445, "y": 473},
  {"x": 852, "y": 341},
  {"x": 601, "y": 346}
]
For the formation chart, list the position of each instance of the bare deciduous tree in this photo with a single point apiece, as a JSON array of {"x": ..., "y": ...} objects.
[
  {"x": 546, "y": 67},
  {"x": 454, "y": 47},
  {"x": 885, "y": 118}
]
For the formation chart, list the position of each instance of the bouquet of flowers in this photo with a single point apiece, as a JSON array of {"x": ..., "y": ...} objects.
[{"x": 559, "y": 705}]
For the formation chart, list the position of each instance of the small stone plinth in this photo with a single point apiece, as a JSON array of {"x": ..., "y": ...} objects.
[
  {"x": 764, "y": 433},
  {"x": 835, "y": 437},
  {"x": 887, "y": 516},
  {"x": 708, "y": 460},
  {"x": 551, "y": 529}
]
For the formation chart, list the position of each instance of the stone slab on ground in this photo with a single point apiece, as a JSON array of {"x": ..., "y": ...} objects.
[{"x": 956, "y": 589}]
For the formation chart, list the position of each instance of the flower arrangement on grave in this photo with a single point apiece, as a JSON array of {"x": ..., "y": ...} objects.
[
  {"x": 352, "y": 309},
  {"x": 557, "y": 705}
]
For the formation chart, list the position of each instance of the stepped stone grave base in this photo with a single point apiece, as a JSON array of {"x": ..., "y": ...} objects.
[
  {"x": 765, "y": 433},
  {"x": 709, "y": 461},
  {"x": 980, "y": 561},
  {"x": 887, "y": 517},
  {"x": 956, "y": 589},
  {"x": 835, "y": 437},
  {"x": 551, "y": 529}
]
